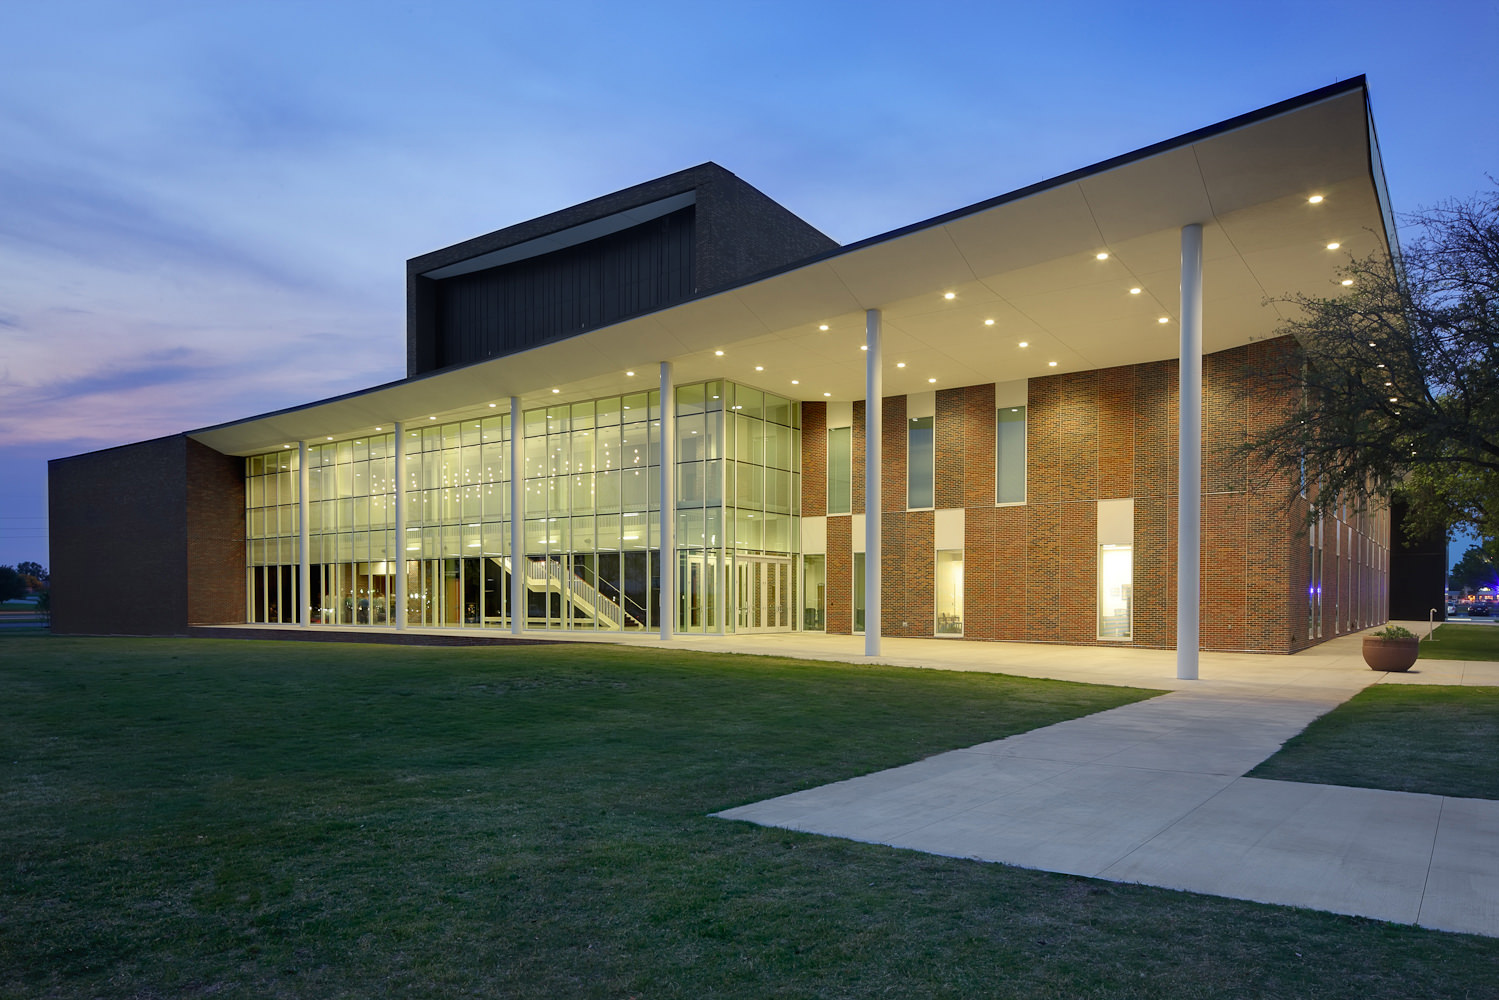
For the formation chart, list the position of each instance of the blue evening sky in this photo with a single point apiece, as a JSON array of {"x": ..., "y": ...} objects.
[{"x": 206, "y": 208}]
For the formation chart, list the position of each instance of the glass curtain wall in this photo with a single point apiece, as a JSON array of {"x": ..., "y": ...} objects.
[{"x": 591, "y": 518}]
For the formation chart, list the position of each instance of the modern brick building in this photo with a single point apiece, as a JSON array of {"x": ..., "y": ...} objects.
[{"x": 652, "y": 411}]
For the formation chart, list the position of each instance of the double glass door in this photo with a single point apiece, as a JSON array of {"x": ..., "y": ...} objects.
[{"x": 763, "y": 594}]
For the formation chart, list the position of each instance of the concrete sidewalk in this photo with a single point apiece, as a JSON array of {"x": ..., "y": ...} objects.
[{"x": 1154, "y": 792}]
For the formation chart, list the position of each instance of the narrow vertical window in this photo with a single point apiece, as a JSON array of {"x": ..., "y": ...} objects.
[
  {"x": 840, "y": 470},
  {"x": 1009, "y": 457},
  {"x": 858, "y": 592},
  {"x": 814, "y": 593},
  {"x": 1116, "y": 591},
  {"x": 920, "y": 473},
  {"x": 949, "y": 591}
]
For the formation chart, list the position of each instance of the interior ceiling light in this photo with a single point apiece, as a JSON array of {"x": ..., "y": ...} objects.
[
  {"x": 630, "y": 374},
  {"x": 1051, "y": 364},
  {"x": 1134, "y": 291},
  {"x": 759, "y": 368},
  {"x": 825, "y": 394},
  {"x": 1164, "y": 319},
  {"x": 863, "y": 347},
  {"x": 382, "y": 428},
  {"x": 491, "y": 406},
  {"x": 793, "y": 382},
  {"x": 555, "y": 391},
  {"x": 1025, "y": 343},
  {"x": 1347, "y": 282},
  {"x": 431, "y": 418},
  {"x": 1103, "y": 255},
  {"x": 900, "y": 364},
  {"x": 1315, "y": 199},
  {"x": 718, "y": 354},
  {"x": 988, "y": 322},
  {"x": 823, "y": 327},
  {"x": 950, "y": 295},
  {"x": 930, "y": 380},
  {"x": 1333, "y": 246}
]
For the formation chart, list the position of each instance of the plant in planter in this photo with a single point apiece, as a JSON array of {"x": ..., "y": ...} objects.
[{"x": 1391, "y": 648}]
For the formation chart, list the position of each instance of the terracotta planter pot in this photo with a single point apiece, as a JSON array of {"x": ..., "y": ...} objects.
[{"x": 1391, "y": 654}]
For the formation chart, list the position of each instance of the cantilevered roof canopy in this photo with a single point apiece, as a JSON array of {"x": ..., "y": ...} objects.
[{"x": 1030, "y": 261}]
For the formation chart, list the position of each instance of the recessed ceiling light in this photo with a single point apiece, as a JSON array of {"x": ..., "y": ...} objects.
[
  {"x": 330, "y": 439},
  {"x": 793, "y": 382},
  {"x": 1025, "y": 343},
  {"x": 630, "y": 374},
  {"x": 555, "y": 391},
  {"x": 1394, "y": 399},
  {"x": 381, "y": 428},
  {"x": 286, "y": 446},
  {"x": 759, "y": 368},
  {"x": 1315, "y": 199},
  {"x": 1134, "y": 291},
  {"x": 1347, "y": 282},
  {"x": 950, "y": 295},
  {"x": 1333, "y": 246},
  {"x": 931, "y": 380},
  {"x": 718, "y": 354},
  {"x": 1103, "y": 255},
  {"x": 1051, "y": 364},
  {"x": 863, "y": 347},
  {"x": 1164, "y": 319},
  {"x": 431, "y": 418},
  {"x": 491, "y": 406},
  {"x": 823, "y": 327},
  {"x": 825, "y": 394},
  {"x": 900, "y": 364},
  {"x": 988, "y": 322}
]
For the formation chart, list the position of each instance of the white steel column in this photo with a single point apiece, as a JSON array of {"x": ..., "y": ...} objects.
[
  {"x": 1189, "y": 460},
  {"x": 668, "y": 532},
  {"x": 518, "y": 610},
  {"x": 400, "y": 544},
  {"x": 874, "y": 388},
  {"x": 304, "y": 533}
]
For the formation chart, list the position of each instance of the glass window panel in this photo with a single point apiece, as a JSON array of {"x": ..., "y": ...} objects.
[
  {"x": 749, "y": 402},
  {"x": 535, "y": 421},
  {"x": 814, "y": 593},
  {"x": 536, "y": 497},
  {"x": 380, "y": 446},
  {"x": 606, "y": 448},
  {"x": 690, "y": 483},
  {"x": 713, "y": 525},
  {"x": 713, "y": 483},
  {"x": 949, "y": 592},
  {"x": 777, "y": 409},
  {"x": 557, "y": 454},
  {"x": 582, "y": 415},
  {"x": 713, "y": 396},
  {"x": 749, "y": 488},
  {"x": 361, "y": 450},
  {"x": 1009, "y": 464},
  {"x": 634, "y": 450},
  {"x": 492, "y": 502},
  {"x": 536, "y": 457},
  {"x": 780, "y": 447},
  {"x": 636, "y": 489},
  {"x": 473, "y": 464},
  {"x": 692, "y": 438},
  {"x": 749, "y": 440},
  {"x": 840, "y": 470},
  {"x": 606, "y": 411},
  {"x": 257, "y": 491},
  {"x": 582, "y": 493},
  {"x": 689, "y": 399},
  {"x": 690, "y": 531},
  {"x": 583, "y": 537},
  {"x": 634, "y": 531},
  {"x": 778, "y": 491},
  {"x": 493, "y": 463},
  {"x": 654, "y": 400},
  {"x": 1116, "y": 579},
  {"x": 255, "y": 465},
  {"x": 858, "y": 592},
  {"x": 559, "y": 419},
  {"x": 582, "y": 451},
  {"x": 749, "y": 529},
  {"x": 469, "y": 433},
  {"x": 473, "y": 508},
  {"x": 634, "y": 407},
  {"x": 345, "y": 451},
  {"x": 607, "y": 491},
  {"x": 920, "y": 454},
  {"x": 606, "y": 527},
  {"x": 778, "y": 533}
]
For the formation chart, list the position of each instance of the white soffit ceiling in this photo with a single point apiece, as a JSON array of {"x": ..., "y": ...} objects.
[{"x": 1029, "y": 264}]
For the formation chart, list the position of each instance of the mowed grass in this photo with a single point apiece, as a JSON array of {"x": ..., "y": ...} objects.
[
  {"x": 1463, "y": 642},
  {"x": 193, "y": 818},
  {"x": 1401, "y": 737}
]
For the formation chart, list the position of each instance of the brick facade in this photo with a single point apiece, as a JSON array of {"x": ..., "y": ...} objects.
[
  {"x": 1031, "y": 569},
  {"x": 147, "y": 539}
]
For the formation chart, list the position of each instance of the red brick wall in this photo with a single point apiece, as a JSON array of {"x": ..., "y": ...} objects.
[
  {"x": 814, "y": 459},
  {"x": 1031, "y": 569}
]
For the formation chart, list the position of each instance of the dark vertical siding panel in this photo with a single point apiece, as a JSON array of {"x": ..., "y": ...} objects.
[{"x": 530, "y": 302}]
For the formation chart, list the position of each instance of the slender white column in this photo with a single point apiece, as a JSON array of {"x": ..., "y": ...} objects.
[
  {"x": 1189, "y": 460},
  {"x": 400, "y": 543},
  {"x": 304, "y": 558},
  {"x": 668, "y": 610},
  {"x": 517, "y": 519},
  {"x": 874, "y": 390}
]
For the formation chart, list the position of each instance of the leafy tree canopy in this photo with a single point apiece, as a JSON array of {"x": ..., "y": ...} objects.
[
  {"x": 1472, "y": 571},
  {"x": 12, "y": 586},
  {"x": 1399, "y": 390}
]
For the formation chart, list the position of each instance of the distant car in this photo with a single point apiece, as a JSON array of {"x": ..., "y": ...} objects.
[{"x": 1480, "y": 609}]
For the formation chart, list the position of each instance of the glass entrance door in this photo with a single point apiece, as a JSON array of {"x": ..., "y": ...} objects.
[{"x": 762, "y": 594}]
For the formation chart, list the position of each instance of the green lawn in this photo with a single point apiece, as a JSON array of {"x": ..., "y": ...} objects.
[
  {"x": 1463, "y": 642},
  {"x": 1402, "y": 737},
  {"x": 193, "y": 818}
]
